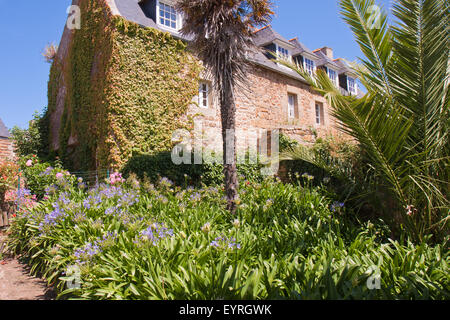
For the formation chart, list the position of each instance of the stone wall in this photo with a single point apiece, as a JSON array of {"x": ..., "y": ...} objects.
[
  {"x": 6, "y": 149},
  {"x": 263, "y": 106}
]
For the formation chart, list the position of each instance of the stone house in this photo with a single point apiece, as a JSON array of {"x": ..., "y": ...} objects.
[
  {"x": 6, "y": 144},
  {"x": 277, "y": 98}
]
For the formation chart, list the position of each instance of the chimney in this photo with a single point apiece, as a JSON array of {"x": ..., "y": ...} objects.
[{"x": 327, "y": 51}]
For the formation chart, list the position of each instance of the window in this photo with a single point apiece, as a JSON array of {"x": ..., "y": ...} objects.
[
  {"x": 203, "y": 95},
  {"x": 319, "y": 113},
  {"x": 283, "y": 53},
  {"x": 168, "y": 17},
  {"x": 292, "y": 99},
  {"x": 309, "y": 66},
  {"x": 333, "y": 76},
  {"x": 352, "y": 88}
]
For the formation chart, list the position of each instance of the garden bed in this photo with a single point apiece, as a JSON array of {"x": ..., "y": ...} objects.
[{"x": 144, "y": 241}]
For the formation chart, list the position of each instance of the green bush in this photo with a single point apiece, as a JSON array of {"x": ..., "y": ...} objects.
[
  {"x": 39, "y": 176},
  {"x": 32, "y": 140},
  {"x": 161, "y": 165},
  {"x": 141, "y": 241}
]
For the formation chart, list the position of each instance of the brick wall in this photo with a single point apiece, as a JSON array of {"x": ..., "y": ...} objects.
[
  {"x": 265, "y": 107},
  {"x": 6, "y": 149}
]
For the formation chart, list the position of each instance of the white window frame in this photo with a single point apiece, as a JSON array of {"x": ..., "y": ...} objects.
[
  {"x": 319, "y": 114},
  {"x": 307, "y": 66},
  {"x": 204, "y": 96},
  {"x": 291, "y": 107},
  {"x": 355, "y": 85},
  {"x": 335, "y": 80},
  {"x": 178, "y": 16},
  {"x": 283, "y": 53}
]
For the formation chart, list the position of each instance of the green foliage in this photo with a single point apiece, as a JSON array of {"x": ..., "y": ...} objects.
[
  {"x": 127, "y": 90},
  {"x": 317, "y": 160},
  {"x": 144, "y": 241},
  {"x": 33, "y": 139},
  {"x": 401, "y": 124},
  {"x": 39, "y": 176},
  {"x": 161, "y": 165},
  {"x": 9, "y": 173},
  {"x": 286, "y": 143}
]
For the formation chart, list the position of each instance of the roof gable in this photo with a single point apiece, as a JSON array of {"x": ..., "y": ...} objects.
[
  {"x": 267, "y": 35},
  {"x": 300, "y": 48},
  {"x": 324, "y": 60},
  {"x": 4, "y": 132}
]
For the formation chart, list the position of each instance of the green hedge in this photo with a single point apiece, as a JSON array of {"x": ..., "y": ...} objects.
[{"x": 161, "y": 165}]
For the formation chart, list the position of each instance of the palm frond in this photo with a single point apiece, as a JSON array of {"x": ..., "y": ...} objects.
[{"x": 370, "y": 28}]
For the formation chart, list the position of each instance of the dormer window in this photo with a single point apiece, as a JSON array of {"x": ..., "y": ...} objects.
[
  {"x": 333, "y": 76},
  {"x": 283, "y": 53},
  {"x": 309, "y": 66},
  {"x": 352, "y": 86},
  {"x": 167, "y": 16}
]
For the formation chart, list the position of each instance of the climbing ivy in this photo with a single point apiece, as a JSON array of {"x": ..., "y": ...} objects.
[{"x": 127, "y": 89}]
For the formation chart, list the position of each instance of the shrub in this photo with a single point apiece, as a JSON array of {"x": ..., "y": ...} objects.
[
  {"x": 9, "y": 173},
  {"x": 143, "y": 241},
  {"x": 39, "y": 176},
  {"x": 32, "y": 140},
  {"x": 161, "y": 165},
  {"x": 286, "y": 143}
]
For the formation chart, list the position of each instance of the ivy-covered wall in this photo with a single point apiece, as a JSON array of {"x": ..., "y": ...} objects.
[{"x": 127, "y": 90}]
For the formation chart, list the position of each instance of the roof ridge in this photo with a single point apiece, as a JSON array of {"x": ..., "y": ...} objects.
[{"x": 261, "y": 29}]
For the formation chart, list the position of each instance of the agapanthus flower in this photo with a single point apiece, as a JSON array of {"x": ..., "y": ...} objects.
[
  {"x": 90, "y": 250},
  {"x": 156, "y": 232},
  {"x": 225, "y": 243},
  {"x": 195, "y": 197},
  {"x": 165, "y": 182},
  {"x": 336, "y": 205}
]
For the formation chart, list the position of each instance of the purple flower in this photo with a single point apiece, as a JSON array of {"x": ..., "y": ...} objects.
[
  {"x": 195, "y": 197},
  {"x": 156, "y": 232},
  {"x": 336, "y": 205},
  {"x": 225, "y": 243}
]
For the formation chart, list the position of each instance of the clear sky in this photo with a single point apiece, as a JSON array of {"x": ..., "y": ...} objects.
[{"x": 26, "y": 27}]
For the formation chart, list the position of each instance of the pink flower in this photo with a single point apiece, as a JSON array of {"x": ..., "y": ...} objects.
[
  {"x": 116, "y": 177},
  {"x": 59, "y": 175},
  {"x": 29, "y": 163},
  {"x": 410, "y": 210}
]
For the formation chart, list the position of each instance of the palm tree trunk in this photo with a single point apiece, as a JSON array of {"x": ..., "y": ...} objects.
[{"x": 228, "y": 116}]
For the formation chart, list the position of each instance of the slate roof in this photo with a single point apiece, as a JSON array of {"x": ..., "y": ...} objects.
[
  {"x": 132, "y": 11},
  {"x": 299, "y": 47},
  {"x": 267, "y": 35},
  {"x": 344, "y": 66},
  {"x": 4, "y": 133},
  {"x": 325, "y": 60}
]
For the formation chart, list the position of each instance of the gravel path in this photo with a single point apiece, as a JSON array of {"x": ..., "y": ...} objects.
[{"x": 16, "y": 282}]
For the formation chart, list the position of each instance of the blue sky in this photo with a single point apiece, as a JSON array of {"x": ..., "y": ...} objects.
[{"x": 26, "y": 27}]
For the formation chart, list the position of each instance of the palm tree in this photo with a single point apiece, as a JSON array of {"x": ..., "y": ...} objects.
[
  {"x": 401, "y": 124},
  {"x": 222, "y": 32}
]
